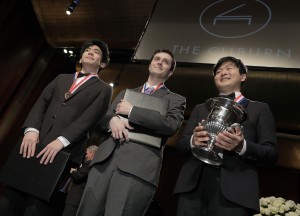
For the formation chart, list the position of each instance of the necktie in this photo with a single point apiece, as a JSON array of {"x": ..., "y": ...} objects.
[
  {"x": 82, "y": 74},
  {"x": 149, "y": 90}
]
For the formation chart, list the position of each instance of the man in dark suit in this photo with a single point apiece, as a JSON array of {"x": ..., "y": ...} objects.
[
  {"x": 78, "y": 181},
  {"x": 230, "y": 189},
  {"x": 60, "y": 121},
  {"x": 125, "y": 173}
]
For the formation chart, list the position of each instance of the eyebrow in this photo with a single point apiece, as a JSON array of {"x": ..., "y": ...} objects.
[
  {"x": 90, "y": 47},
  {"x": 165, "y": 59}
]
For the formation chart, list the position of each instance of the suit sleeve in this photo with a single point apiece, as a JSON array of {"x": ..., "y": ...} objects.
[
  {"x": 264, "y": 149},
  {"x": 165, "y": 125},
  {"x": 36, "y": 115},
  {"x": 183, "y": 145},
  {"x": 111, "y": 111},
  {"x": 81, "y": 174}
]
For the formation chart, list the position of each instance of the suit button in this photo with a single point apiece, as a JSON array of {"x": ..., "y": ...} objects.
[
  {"x": 54, "y": 116},
  {"x": 63, "y": 104}
]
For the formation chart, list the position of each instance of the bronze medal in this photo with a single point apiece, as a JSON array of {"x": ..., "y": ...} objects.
[{"x": 67, "y": 95}]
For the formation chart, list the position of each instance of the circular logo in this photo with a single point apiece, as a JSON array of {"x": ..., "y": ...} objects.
[{"x": 235, "y": 19}]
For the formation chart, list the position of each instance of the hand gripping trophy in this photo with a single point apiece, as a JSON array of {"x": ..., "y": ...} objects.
[{"x": 224, "y": 114}]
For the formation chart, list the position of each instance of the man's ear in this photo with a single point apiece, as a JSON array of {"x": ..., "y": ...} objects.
[
  {"x": 79, "y": 61},
  {"x": 243, "y": 77},
  {"x": 102, "y": 65}
]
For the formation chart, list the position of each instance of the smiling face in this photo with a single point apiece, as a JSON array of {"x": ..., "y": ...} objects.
[
  {"x": 228, "y": 78},
  {"x": 92, "y": 57},
  {"x": 160, "y": 66}
]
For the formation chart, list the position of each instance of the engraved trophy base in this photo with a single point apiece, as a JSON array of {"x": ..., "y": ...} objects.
[{"x": 207, "y": 156}]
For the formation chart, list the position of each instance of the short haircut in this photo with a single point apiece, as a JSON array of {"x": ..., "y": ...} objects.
[
  {"x": 92, "y": 148},
  {"x": 242, "y": 68},
  {"x": 103, "y": 46},
  {"x": 173, "y": 63}
]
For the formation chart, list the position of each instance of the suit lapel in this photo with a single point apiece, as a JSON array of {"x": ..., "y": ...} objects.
[
  {"x": 161, "y": 92},
  {"x": 158, "y": 93},
  {"x": 245, "y": 103},
  {"x": 84, "y": 85}
]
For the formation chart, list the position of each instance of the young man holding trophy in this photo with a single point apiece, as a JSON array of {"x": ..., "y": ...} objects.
[{"x": 220, "y": 178}]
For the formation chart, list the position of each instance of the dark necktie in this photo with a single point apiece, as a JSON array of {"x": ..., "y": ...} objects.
[{"x": 82, "y": 74}]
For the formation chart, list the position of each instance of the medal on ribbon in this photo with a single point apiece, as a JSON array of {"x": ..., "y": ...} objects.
[
  {"x": 67, "y": 95},
  {"x": 75, "y": 85}
]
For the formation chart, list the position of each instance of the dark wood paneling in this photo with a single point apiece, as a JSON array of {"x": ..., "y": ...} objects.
[
  {"x": 21, "y": 40},
  {"x": 28, "y": 63}
]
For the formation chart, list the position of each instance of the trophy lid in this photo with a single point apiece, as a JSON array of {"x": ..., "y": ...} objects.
[{"x": 228, "y": 103}]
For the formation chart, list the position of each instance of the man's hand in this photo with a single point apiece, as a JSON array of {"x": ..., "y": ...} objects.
[
  {"x": 231, "y": 140},
  {"x": 73, "y": 170},
  {"x": 124, "y": 107},
  {"x": 50, "y": 151},
  {"x": 29, "y": 142},
  {"x": 200, "y": 136},
  {"x": 119, "y": 129}
]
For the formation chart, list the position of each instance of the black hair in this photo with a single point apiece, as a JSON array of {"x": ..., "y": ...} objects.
[
  {"x": 103, "y": 47},
  {"x": 173, "y": 63},
  {"x": 242, "y": 68}
]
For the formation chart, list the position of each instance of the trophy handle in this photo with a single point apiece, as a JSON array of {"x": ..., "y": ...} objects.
[
  {"x": 209, "y": 153},
  {"x": 235, "y": 126}
]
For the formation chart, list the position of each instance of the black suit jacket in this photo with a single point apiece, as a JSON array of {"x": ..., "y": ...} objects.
[
  {"x": 137, "y": 159},
  {"x": 239, "y": 179},
  {"x": 55, "y": 116},
  {"x": 79, "y": 179}
]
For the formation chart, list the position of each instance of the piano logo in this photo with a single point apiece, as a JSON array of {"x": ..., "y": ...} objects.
[{"x": 235, "y": 19}]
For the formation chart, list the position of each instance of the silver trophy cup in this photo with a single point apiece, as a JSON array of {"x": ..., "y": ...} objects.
[{"x": 224, "y": 113}]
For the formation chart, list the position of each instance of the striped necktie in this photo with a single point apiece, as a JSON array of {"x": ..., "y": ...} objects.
[{"x": 149, "y": 90}]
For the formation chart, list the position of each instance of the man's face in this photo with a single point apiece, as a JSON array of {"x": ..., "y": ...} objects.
[
  {"x": 89, "y": 155},
  {"x": 228, "y": 78},
  {"x": 92, "y": 57},
  {"x": 160, "y": 65}
]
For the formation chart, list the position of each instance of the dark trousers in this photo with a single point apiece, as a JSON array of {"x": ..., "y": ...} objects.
[
  {"x": 16, "y": 203},
  {"x": 111, "y": 192},
  {"x": 70, "y": 210},
  {"x": 207, "y": 199}
]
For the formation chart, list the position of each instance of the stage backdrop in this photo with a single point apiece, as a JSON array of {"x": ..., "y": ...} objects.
[{"x": 260, "y": 32}]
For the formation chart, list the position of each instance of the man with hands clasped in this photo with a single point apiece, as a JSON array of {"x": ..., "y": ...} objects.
[
  {"x": 60, "y": 120},
  {"x": 125, "y": 173},
  {"x": 231, "y": 189}
]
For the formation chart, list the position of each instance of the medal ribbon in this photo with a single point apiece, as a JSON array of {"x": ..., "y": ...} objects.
[
  {"x": 157, "y": 87},
  {"x": 239, "y": 99},
  {"x": 76, "y": 86}
]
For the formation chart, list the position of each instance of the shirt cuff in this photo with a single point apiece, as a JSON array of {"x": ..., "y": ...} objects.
[
  {"x": 129, "y": 112},
  {"x": 244, "y": 148},
  {"x": 191, "y": 141},
  {"x": 30, "y": 130},
  {"x": 64, "y": 141}
]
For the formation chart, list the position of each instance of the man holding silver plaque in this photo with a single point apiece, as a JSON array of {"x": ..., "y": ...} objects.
[{"x": 219, "y": 176}]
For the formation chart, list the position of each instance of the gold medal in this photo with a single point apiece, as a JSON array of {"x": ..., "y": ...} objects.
[{"x": 67, "y": 95}]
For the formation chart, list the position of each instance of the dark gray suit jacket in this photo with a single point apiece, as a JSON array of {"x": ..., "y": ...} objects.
[
  {"x": 239, "y": 179},
  {"x": 137, "y": 159},
  {"x": 79, "y": 179},
  {"x": 55, "y": 116}
]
